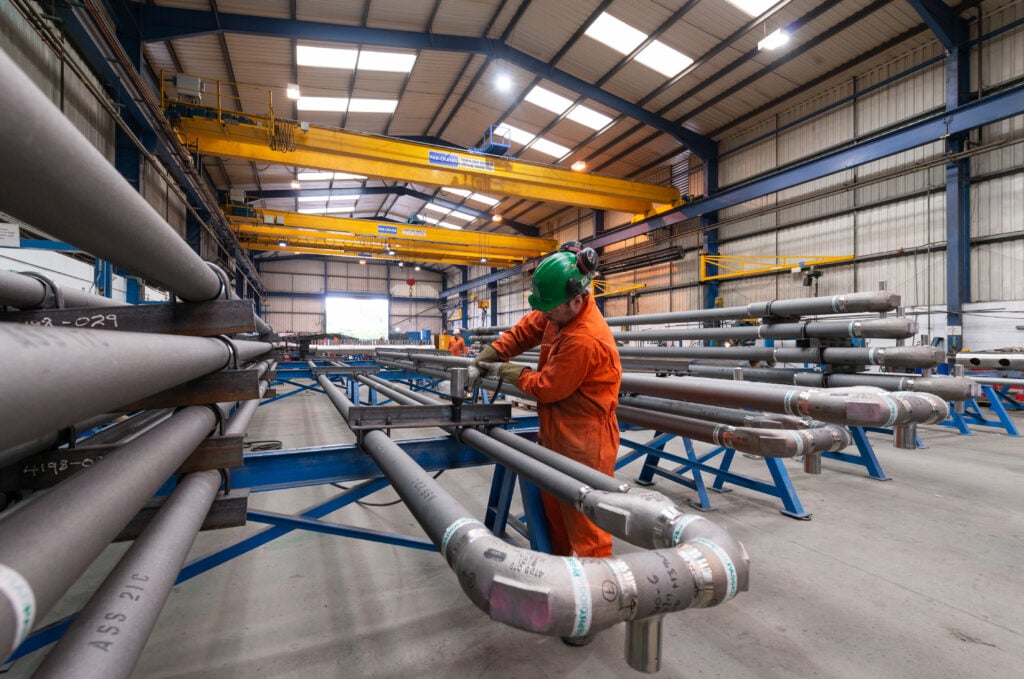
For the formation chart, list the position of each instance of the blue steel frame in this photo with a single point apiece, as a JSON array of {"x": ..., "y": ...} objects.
[{"x": 972, "y": 413}]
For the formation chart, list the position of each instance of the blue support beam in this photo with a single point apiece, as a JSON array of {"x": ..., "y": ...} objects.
[
  {"x": 710, "y": 235},
  {"x": 166, "y": 23},
  {"x": 943, "y": 20}
]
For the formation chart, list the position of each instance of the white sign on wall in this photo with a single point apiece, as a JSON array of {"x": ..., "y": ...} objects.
[{"x": 10, "y": 235}]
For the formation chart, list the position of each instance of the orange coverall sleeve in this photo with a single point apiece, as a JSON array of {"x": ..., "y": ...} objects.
[
  {"x": 523, "y": 336},
  {"x": 564, "y": 372}
]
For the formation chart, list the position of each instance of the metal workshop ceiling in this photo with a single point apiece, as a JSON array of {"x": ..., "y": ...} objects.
[{"x": 464, "y": 48}]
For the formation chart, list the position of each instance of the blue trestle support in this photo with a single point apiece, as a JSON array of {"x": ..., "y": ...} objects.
[
  {"x": 867, "y": 457},
  {"x": 972, "y": 413},
  {"x": 693, "y": 464}
]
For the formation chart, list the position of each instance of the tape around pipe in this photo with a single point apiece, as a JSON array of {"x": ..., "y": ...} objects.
[
  {"x": 732, "y": 579},
  {"x": 687, "y": 519},
  {"x": 19, "y": 593},
  {"x": 581, "y": 597},
  {"x": 456, "y": 525}
]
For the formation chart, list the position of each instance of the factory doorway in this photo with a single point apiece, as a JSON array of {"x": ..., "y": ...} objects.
[{"x": 363, "y": 318}]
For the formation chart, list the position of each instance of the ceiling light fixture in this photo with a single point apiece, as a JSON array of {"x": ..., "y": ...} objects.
[
  {"x": 292, "y": 90},
  {"x": 283, "y": 243},
  {"x": 503, "y": 82},
  {"x": 296, "y": 184},
  {"x": 483, "y": 259},
  {"x": 578, "y": 166},
  {"x": 496, "y": 218},
  {"x": 773, "y": 40}
]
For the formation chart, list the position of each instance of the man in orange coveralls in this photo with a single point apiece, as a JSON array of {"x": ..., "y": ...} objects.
[
  {"x": 456, "y": 345},
  {"x": 576, "y": 385}
]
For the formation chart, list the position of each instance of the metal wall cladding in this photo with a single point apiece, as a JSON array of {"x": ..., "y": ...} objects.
[
  {"x": 739, "y": 227},
  {"x": 308, "y": 305},
  {"x": 747, "y": 162},
  {"x": 1003, "y": 59},
  {"x": 824, "y": 238},
  {"x": 299, "y": 265},
  {"x": 907, "y": 276},
  {"x": 655, "y": 302},
  {"x": 998, "y": 205},
  {"x": 278, "y": 304},
  {"x": 743, "y": 291},
  {"x": 616, "y": 306},
  {"x": 905, "y": 98},
  {"x": 688, "y": 298},
  {"x": 897, "y": 174},
  {"x": 901, "y": 225},
  {"x": 295, "y": 323},
  {"x": 997, "y": 270},
  {"x": 834, "y": 192},
  {"x": 821, "y": 132},
  {"x": 1006, "y": 157}
]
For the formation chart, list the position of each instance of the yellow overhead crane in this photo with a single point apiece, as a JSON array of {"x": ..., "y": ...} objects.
[
  {"x": 266, "y": 229},
  {"x": 737, "y": 266},
  {"x": 215, "y": 130}
]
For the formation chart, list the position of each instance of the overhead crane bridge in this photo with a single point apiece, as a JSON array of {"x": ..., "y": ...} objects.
[{"x": 220, "y": 130}]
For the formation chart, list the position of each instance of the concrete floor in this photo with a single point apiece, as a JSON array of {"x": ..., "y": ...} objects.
[{"x": 919, "y": 576}]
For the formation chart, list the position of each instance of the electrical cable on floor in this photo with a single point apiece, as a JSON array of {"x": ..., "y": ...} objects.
[
  {"x": 262, "y": 446},
  {"x": 377, "y": 504}
]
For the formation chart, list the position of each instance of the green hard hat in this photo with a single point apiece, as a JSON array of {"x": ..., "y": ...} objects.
[{"x": 557, "y": 279}]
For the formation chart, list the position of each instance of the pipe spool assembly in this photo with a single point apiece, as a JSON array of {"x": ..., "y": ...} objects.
[{"x": 140, "y": 420}]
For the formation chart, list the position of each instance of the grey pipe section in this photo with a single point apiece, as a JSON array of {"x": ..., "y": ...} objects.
[
  {"x": 588, "y": 476},
  {"x": 949, "y": 388},
  {"x": 82, "y": 515},
  {"x": 55, "y": 180},
  {"x": 108, "y": 635},
  {"x": 880, "y": 328},
  {"x": 1004, "y": 360},
  {"x": 48, "y": 440},
  {"x": 763, "y": 442},
  {"x": 856, "y": 302},
  {"x": 838, "y": 406},
  {"x": 892, "y": 357},
  {"x": 565, "y": 596},
  {"x": 58, "y": 376},
  {"x": 1000, "y": 381},
  {"x": 25, "y": 292},
  {"x": 734, "y": 416}
]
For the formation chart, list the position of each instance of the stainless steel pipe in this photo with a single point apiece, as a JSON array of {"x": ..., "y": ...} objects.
[
  {"x": 56, "y": 181},
  {"x": 57, "y": 376},
  {"x": 109, "y": 633},
  {"x": 27, "y": 292},
  {"x": 81, "y": 516}
]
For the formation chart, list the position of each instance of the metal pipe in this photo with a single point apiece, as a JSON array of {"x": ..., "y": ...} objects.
[
  {"x": 58, "y": 376},
  {"x": 892, "y": 357},
  {"x": 733, "y": 416},
  {"x": 58, "y": 182},
  {"x": 50, "y": 440},
  {"x": 82, "y": 515},
  {"x": 28, "y": 292},
  {"x": 1005, "y": 360},
  {"x": 838, "y": 406},
  {"x": 856, "y": 302},
  {"x": 643, "y": 644},
  {"x": 562, "y": 596},
  {"x": 763, "y": 442},
  {"x": 108, "y": 635},
  {"x": 588, "y": 476}
]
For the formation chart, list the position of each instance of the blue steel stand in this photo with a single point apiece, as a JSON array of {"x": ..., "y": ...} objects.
[
  {"x": 972, "y": 413},
  {"x": 532, "y": 525},
  {"x": 867, "y": 457},
  {"x": 693, "y": 464}
]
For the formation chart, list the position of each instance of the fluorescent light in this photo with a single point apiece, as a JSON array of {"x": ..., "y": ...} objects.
[
  {"x": 618, "y": 35},
  {"x": 336, "y": 104},
  {"x": 754, "y": 8},
  {"x": 665, "y": 60},
  {"x": 292, "y": 91},
  {"x": 325, "y": 57},
  {"x": 391, "y": 62},
  {"x": 550, "y": 148},
  {"x": 548, "y": 100},
  {"x": 372, "y": 105},
  {"x": 589, "y": 117},
  {"x": 773, "y": 40}
]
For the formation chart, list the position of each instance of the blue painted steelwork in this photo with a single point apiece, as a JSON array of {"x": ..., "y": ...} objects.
[
  {"x": 867, "y": 457},
  {"x": 166, "y": 23},
  {"x": 499, "y": 500},
  {"x": 710, "y": 235},
  {"x": 103, "y": 277},
  {"x": 990, "y": 109},
  {"x": 972, "y": 414},
  {"x": 36, "y": 244},
  {"x": 780, "y": 487},
  {"x": 536, "y": 521},
  {"x": 943, "y": 20},
  {"x": 341, "y": 530}
]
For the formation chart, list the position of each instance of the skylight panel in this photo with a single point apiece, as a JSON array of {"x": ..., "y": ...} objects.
[
  {"x": 458, "y": 192},
  {"x": 311, "y": 199},
  {"x": 548, "y": 100},
  {"x": 392, "y": 62},
  {"x": 436, "y": 208},
  {"x": 663, "y": 59},
  {"x": 550, "y": 148},
  {"x": 314, "y": 176},
  {"x": 446, "y": 225},
  {"x": 515, "y": 134},
  {"x": 618, "y": 35},
  {"x": 429, "y": 220},
  {"x": 486, "y": 200},
  {"x": 462, "y": 216},
  {"x": 311, "y": 210},
  {"x": 325, "y": 57},
  {"x": 335, "y": 209},
  {"x": 754, "y": 8},
  {"x": 335, "y": 104},
  {"x": 372, "y": 105},
  {"x": 589, "y": 117}
]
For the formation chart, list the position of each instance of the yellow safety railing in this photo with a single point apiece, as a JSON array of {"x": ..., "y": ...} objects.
[
  {"x": 737, "y": 266},
  {"x": 190, "y": 94}
]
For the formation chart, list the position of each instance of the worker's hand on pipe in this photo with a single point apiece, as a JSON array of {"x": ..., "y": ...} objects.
[
  {"x": 510, "y": 372},
  {"x": 487, "y": 355},
  {"x": 473, "y": 378}
]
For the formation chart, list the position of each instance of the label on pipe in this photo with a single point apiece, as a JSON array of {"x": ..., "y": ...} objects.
[{"x": 22, "y": 598}]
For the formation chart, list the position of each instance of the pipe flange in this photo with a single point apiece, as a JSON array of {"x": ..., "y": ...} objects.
[
  {"x": 225, "y": 282},
  {"x": 52, "y": 290}
]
